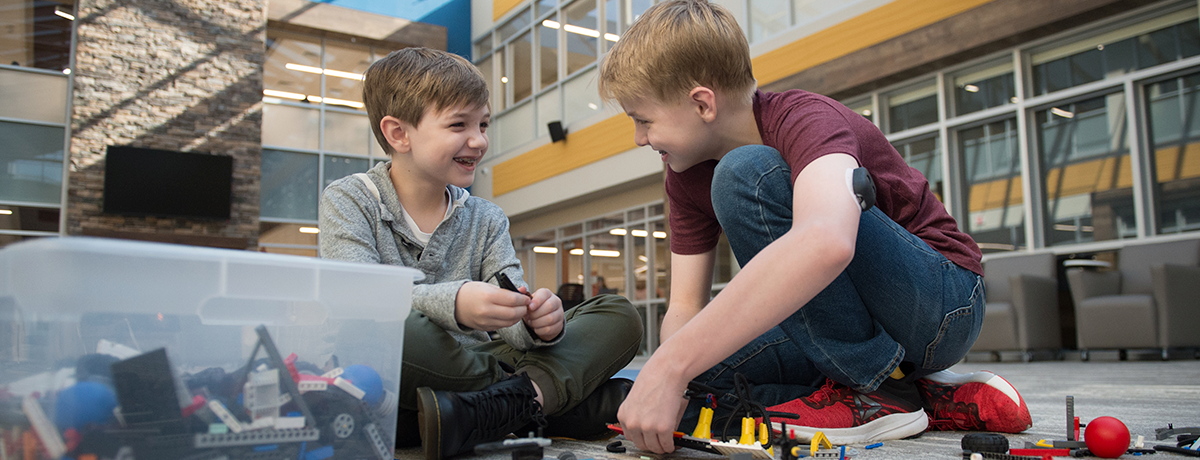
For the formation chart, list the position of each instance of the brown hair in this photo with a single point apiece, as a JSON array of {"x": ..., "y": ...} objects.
[
  {"x": 407, "y": 82},
  {"x": 675, "y": 46}
]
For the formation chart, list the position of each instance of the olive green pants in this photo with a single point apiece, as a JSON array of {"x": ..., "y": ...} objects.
[{"x": 601, "y": 337}]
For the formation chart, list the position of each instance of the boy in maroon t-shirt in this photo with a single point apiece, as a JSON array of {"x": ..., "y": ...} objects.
[{"x": 869, "y": 303}]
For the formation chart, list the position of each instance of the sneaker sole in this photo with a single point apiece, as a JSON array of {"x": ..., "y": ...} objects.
[
  {"x": 429, "y": 423},
  {"x": 997, "y": 383},
  {"x": 886, "y": 428}
]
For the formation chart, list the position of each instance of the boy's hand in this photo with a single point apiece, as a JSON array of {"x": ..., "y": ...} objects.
[
  {"x": 545, "y": 314},
  {"x": 486, "y": 307}
]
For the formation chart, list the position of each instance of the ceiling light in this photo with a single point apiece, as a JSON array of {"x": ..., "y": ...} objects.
[
  {"x": 1062, "y": 113},
  {"x": 318, "y": 70},
  {"x": 618, "y": 232},
  {"x": 63, "y": 14},
  {"x": 866, "y": 112},
  {"x": 546, "y": 250},
  {"x": 971, "y": 88},
  {"x": 5, "y": 212},
  {"x": 310, "y": 230},
  {"x": 605, "y": 253},
  {"x": 503, "y": 79},
  {"x": 580, "y": 30},
  {"x": 284, "y": 94}
]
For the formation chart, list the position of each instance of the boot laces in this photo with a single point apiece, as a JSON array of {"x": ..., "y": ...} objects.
[{"x": 501, "y": 411}]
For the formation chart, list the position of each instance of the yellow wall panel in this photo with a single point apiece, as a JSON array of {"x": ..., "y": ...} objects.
[
  {"x": 1170, "y": 167},
  {"x": 502, "y": 7},
  {"x": 588, "y": 145},
  {"x": 873, "y": 27}
]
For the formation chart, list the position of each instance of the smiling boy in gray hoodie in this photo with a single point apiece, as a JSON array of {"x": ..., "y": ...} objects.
[{"x": 429, "y": 110}]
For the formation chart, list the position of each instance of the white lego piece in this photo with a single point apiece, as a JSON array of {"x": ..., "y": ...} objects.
[
  {"x": 262, "y": 394},
  {"x": 1141, "y": 442},
  {"x": 43, "y": 427},
  {"x": 311, "y": 385},
  {"x": 289, "y": 423},
  {"x": 265, "y": 422},
  {"x": 729, "y": 448},
  {"x": 333, "y": 374},
  {"x": 349, "y": 387},
  {"x": 205, "y": 441},
  {"x": 115, "y": 349},
  {"x": 223, "y": 414}
]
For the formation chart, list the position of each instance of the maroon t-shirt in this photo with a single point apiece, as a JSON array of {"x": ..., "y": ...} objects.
[{"x": 803, "y": 126}]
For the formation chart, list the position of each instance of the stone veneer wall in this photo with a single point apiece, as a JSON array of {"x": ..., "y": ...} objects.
[{"x": 168, "y": 74}]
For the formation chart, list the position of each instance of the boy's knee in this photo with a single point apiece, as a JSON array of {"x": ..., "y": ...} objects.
[
  {"x": 747, "y": 163},
  {"x": 617, "y": 310}
]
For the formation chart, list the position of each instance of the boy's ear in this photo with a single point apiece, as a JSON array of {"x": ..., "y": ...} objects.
[
  {"x": 705, "y": 102},
  {"x": 396, "y": 132}
]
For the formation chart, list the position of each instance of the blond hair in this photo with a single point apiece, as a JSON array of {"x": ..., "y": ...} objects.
[
  {"x": 407, "y": 82},
  {"x": 675, "y": 46}
]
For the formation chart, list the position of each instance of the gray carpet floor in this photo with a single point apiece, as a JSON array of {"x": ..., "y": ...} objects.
[{"x": 1145, "y": 394}]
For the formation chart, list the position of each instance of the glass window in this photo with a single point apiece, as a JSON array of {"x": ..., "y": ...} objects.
[
  {"x": 483, "y": 45},
  {"x": 912, "y": 107},
  {"x": 501, "y": 94},
  {"x": 285, "y": 238},
  {"x": 768, "y": 18},
  {"x": 485, "y": 67},
  {"x": 807, "y": 11},
  {"x": 515, "y": 127},
  {"x": 983, "y": 87},
  {"x": 1153, "y": 42},
  {"x": 521, "y": 51},
  {"x": 33, "y": 96},
  {"x": 924, "y": 155},
  {"x": 36, "y": 33},
  {"x": 584, "y": 100},
  {"x": 291, "y": 127},
  {"x": 607, "y": 251},
  {"x": 992, "y": 186},
  {"x": 545, "y": 6},
  {"x": 344, "y": 67},
  {"x": 293, "y": 67},
  {"x": 347, "y": 132},
  {"x": 337, "y": 167},
  {"x": 583, "y": 32},
  {"x": 548, "y": 57},
  {"x": 633, "y": 10},
  {"x": 289, "y": 185},
  {"x": 547, "y": 111},
  {"x": 612, "y": 19},
  {"x": 662, "y": 259},
  {"x": 514, "y": 25},
  {"x": 862, "y": 107},
  {"x": 1086, "y": 171},
  {"x": 1174, "y": 119},
  {"x": 543, "y": 272},
  {"x": 31, "y": 163},
  {"x": 29, "y": 218},
  {"x": 572, "y": 262}
]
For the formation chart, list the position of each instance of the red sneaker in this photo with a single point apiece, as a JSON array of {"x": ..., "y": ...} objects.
[
  {"x": 979, "y": 401},
  {"x": 847, "y": 416}
]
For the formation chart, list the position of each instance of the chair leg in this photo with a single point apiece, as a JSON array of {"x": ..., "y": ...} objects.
[
  {"x": 1165, "y": 354},
  {"x": 1026, "y": 356},
  {"x": 996, "y": 356},
  {"x": 1083, "y": 355},
  {"x": 1122, "y": 355}
]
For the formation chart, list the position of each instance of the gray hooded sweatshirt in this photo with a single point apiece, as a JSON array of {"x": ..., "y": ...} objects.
[{"x": 473, "y": 244}]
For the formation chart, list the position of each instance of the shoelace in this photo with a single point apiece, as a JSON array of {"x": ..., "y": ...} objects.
[{"x": 497, "y": 418}]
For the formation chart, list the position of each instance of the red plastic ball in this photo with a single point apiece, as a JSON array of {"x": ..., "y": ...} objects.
[{"x": 1106, "y": 437}]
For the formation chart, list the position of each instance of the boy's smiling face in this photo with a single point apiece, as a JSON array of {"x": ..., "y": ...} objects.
[
  {"x": 677, "y": 131},
  {"x": 447, "y": 145}
]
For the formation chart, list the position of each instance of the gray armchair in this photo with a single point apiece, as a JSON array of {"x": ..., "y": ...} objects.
[
  {"x": 1151, "y": 301},
  {"x": 1022, "y": 305}
]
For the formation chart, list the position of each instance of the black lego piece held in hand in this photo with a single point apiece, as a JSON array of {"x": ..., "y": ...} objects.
[{"x": 508, "y": 284}]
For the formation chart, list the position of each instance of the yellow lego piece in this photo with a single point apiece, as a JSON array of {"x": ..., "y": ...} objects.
[{"x": 704, "y": 424}]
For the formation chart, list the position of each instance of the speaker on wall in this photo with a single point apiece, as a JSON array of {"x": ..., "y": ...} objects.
[{"x": 557, "y": 132}]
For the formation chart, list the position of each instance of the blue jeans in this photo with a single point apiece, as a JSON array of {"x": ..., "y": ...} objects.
[{"x": 898, "y": 301}]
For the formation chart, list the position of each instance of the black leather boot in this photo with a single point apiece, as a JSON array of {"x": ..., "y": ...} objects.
[
  {"x": 452, "y": 423},
  {"x": 589, "y": 420}
]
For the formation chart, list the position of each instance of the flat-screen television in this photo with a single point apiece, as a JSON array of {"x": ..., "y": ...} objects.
[{"x": 167, "y": 183}]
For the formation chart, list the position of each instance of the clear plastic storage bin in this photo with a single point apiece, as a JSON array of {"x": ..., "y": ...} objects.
[{"x": 122, "y": 349}]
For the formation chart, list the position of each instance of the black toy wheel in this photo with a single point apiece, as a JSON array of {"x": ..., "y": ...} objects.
[{"x": 985, "y": 442}]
